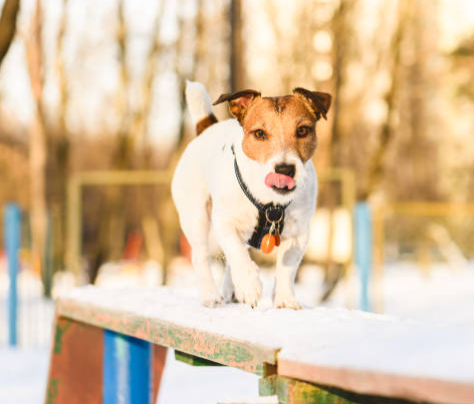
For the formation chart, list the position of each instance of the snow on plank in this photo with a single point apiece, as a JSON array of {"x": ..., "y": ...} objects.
[
  {"x": 382, "y": 355},
  {"x": 355, "y": 351}
]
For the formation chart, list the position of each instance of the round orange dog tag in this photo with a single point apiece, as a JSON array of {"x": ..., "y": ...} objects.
[{"x": 268, "y": 243}]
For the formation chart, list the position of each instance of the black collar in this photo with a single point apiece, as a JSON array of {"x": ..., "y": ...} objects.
[{"x": 267, "y": 213}]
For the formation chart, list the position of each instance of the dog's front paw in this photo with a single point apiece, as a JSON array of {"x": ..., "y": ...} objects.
[
  {"x": 211, "y": 297},
  {"x": 286, "y": 302},
  {"x": 228, "y": 292},
  {"x": 248, "y": 289}
]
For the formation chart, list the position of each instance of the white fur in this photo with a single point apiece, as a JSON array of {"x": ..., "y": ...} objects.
[
  {"x": 205, "y": 173},
  {"x": 199, "y": 103}
]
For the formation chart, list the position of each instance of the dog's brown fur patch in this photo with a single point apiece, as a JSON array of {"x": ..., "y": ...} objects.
[
  {"x": 279, "y": 118},
  {"x": 280, "y": 102},
  {"x": 238, "y": 102},
  {"x": 204, "y": 123}
]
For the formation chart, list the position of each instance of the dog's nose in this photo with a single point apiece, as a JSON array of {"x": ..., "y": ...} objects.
[{"x": 285, "y": 169}]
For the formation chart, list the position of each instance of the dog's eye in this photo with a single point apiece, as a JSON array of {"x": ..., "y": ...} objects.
[
  {"x": 259, "y": 134},
  {"x": 302, "y": 131}
]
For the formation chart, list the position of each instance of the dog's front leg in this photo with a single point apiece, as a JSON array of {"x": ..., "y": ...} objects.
[
  {"x": 247, "y": 285},
  {"x": 289, "y": 256}
]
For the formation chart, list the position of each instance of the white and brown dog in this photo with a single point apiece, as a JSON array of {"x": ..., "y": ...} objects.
[{"x": 246, "y": 181}]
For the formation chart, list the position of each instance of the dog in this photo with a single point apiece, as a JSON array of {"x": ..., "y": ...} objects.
[{"x": 249, "y": 182}]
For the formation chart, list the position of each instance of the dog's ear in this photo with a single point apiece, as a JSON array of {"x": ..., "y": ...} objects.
[
  {"x": 319, "y": 102},
  {"x": 238, "y": 102}
]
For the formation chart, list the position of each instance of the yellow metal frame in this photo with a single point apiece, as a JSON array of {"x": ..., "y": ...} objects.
[
  {"x": 416, "y": 208},
  {"x": 98, "y": 178}
]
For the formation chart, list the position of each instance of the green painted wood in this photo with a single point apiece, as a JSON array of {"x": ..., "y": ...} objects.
[
  {"x": 193, "y": 360},
  {"x": 254, "y": 358},
  {"x": 292, "y": 391},
  {"x": 249, "y": 401},
  {"x": 267, "y": 385}
]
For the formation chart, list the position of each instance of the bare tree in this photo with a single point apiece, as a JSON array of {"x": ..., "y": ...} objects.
[
  {"x": 237, "y": 70},
  {"x": 125, "y": 142},
  {"x": 141, "y": 115},
  {"x": 38, "y": 151},
  {"x": 8, "y": 26},
  {"x": 377, "y": 160},
  {"x": 342, "y": 31},
  {"x": 60, "y": 147}
]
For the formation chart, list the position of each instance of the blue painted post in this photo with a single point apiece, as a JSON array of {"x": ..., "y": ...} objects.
[
  {"x": 363, "y": 250},
  {"x": 12, "y": 240},
  {"x": 127, "y": 370}
]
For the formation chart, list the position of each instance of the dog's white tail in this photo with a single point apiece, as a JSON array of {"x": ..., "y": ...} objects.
[{"x": 199, "y": 105}]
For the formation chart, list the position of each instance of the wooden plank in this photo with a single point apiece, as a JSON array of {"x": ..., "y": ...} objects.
[
  {"x": 75, "y": 375},
  {"x": 349, "y": 350},
  {"x": 292, "y": 391},
  {"x": 256, "y": 400},
  {"x": 222, "y": 349},
  {"x": 380, "y": 384},
  {"x": 193, "y": 360}
]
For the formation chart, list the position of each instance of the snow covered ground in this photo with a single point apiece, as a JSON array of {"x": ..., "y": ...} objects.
[
  {"x": 23, "y": 375},
  {"x": 443, "y": 296}
]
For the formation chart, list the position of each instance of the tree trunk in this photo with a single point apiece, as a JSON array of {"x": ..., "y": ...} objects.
[
  {"x": 339, "y": 61},
  {"x": 38, "y": 151},
  {"x": 377, "y": 162},
  {"x": 237, "y": 71},
  {"x": 8, "y": 26},
  {"x": 61, "y": 148}
]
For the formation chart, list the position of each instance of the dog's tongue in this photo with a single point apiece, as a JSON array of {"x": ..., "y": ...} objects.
[{"x": 279, "y": 181}]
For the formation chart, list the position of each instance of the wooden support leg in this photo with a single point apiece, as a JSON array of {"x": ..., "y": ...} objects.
[
  {"x": 88, "y": 367},
  {"x": 75, "y": 375},
  {"x": 159, "y": 361}
]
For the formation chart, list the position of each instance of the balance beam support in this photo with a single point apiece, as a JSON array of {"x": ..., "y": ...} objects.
[
  {"x": 128, "y": 373},
  {"x": 75, "y": 374}
]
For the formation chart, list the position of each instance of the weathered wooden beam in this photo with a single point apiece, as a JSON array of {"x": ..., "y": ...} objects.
[
  {"x": 292, "y": 391},
  {"x": 356, "y": 361},
  {"x": 257, "y": 400},
  {"x": 267, "y": 385},
  {"x": 193, "y": 360},
  {"x": 251, "y": 357}
]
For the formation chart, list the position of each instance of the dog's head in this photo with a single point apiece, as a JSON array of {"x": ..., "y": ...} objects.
[{"x": 279, "y": 132}]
